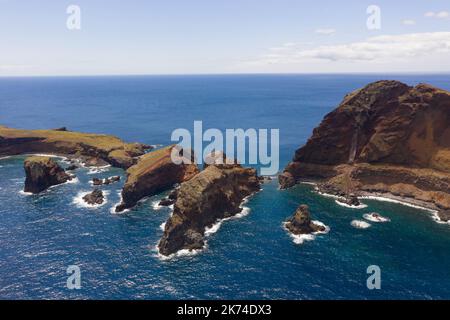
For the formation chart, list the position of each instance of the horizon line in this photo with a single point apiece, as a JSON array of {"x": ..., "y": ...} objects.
[{"x": 226, "y": 74}]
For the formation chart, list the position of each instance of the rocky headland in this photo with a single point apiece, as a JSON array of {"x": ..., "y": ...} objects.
[
  {"x": 155, "y": 172},
  {"x": 210, "y": 196},
  {"x": 42, "y": 173},
  {"x": 92, "y": 149},
  {"x": 388, "y": 139}
]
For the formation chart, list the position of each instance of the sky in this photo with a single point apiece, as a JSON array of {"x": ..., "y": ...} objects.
[{"x": 222, "y": 37}]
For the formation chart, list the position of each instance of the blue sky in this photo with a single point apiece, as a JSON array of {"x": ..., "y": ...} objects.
[{"x": 223, "y": 36}]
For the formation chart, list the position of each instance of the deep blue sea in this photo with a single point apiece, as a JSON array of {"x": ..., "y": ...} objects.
[{"x": 248, "y": 258}]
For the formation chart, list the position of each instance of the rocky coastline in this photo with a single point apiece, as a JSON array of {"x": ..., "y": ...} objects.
[
  {"x": 214, "y": 194},
  {"x": 386, "y": 138},
  {"x": 154, "y": 173},
  {"x": 91, "y": 149}
]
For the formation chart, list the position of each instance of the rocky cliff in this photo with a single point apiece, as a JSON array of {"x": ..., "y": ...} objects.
[
  {"x": 42, "y": 173},
  {"x": 387, "y": 137},
  {"x": 215, "y": 193},
  {"x": 153, "y": 173},
  {"x": 96, "y": 148}
]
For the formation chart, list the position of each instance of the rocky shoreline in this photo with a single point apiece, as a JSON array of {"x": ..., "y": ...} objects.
[
  {"x": 91, "y": 149},
  {"x": 386, "y": 138},
  {"x": 214, "y": 194},
  {"x": 386, "y": 141}
]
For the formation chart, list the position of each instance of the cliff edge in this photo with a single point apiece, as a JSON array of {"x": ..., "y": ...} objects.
[{"x": 387, "y": 137}]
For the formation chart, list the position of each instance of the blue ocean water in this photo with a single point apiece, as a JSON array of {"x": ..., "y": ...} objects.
[{"x": 247, "y": 258}]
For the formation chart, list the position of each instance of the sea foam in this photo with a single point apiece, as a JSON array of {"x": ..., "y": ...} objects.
[
  {"x": 359, "y": 224},
  {"x": 361, "y": 206},
  {"x": 377, "y": 219},
  {"x": 301, "y": 238}
]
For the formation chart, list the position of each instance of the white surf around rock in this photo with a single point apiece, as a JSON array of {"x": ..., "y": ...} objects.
[
  {"x": 80, "y": 203},
  {"x": 360, "y": 224},
  {"x": 113, "y": 208},
  {"x": 375, "y": 217},
  {"x": 207, "y": 233},
  {"x": 361, "y": 206},
  {"x": 301, "y": 238}
]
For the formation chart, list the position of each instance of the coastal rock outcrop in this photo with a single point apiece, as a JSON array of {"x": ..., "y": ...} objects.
[
  {"x": 214, "y": 194},
  {"x": 301, "y": 223},
  {"x": 96, "y": 149},
  {"x": 106, "y": 181},
  {"x": 42, "y": 173},
  {"x": 96, "y": 197},
  {"x": 444, "y": 215},
  {"x": 386, "y": 138},
  {"x": 155, "y": 172}
]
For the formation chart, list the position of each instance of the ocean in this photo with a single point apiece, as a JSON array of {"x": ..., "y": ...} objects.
[{"x": 252, "y": 257}]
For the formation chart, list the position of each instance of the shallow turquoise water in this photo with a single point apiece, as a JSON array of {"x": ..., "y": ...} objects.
[{"x": 252, "y": 257}]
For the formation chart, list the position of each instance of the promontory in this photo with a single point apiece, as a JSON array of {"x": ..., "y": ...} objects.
[
  {"x": 94, "y": 149},
  {"x": 387, "y": 139}
]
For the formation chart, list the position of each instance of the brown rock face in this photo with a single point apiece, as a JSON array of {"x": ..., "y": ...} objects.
[
  {"x": 375, "y": 136},
  {"x": 301, "y": 222},
  {"x": 155, "y": 172},
  {"x": 444, "y": 215},
  {"x": 42, "y": 173},
  {"x": 215, "y": 193},
  {"x": 97, "y": 149}
]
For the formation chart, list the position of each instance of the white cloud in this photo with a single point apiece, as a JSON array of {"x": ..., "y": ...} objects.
[
  {"x": 326, "y": 31},
  {"x": 438, "y": 15},
  {"x": 383, "y": 49},
  {"x": 408, "y": 22}
]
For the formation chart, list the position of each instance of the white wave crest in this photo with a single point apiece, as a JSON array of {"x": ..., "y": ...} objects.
[
  {"x": 301, "y": 238},
  {"x": 361, "y": 206},
  {"x": 97, "y": 170},
  {"x": 359, "y": 224},
  {"x": 113, "y": 208},
  {"x": 375, "y": 217}
]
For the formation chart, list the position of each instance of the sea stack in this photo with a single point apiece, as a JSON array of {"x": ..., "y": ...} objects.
[
  {"x": 386, "y": 138},
  {"x": 42, "y": 173},
  {"x": 155, "y": 172},
  {"x": 301, "y": 223},
  {"x": 96, "y": 197},
  {"x": 214, "y": 194}
]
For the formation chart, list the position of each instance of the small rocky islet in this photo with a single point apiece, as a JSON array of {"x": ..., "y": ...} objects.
[
  {"x": 42, "y": 173},
  {"x": 386, "y": 139},
  {"x": 301, "y": 222}
]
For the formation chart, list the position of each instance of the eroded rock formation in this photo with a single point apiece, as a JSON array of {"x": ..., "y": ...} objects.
[
  {"x": 42, "y": 173},
  {"x": 96, "y": 197},
  {"x": 301, "y": 223},
  {"x": 155, "y": 172},
  {"x": 215, "y": 193},
  {"x": 386, "y": 138}
]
